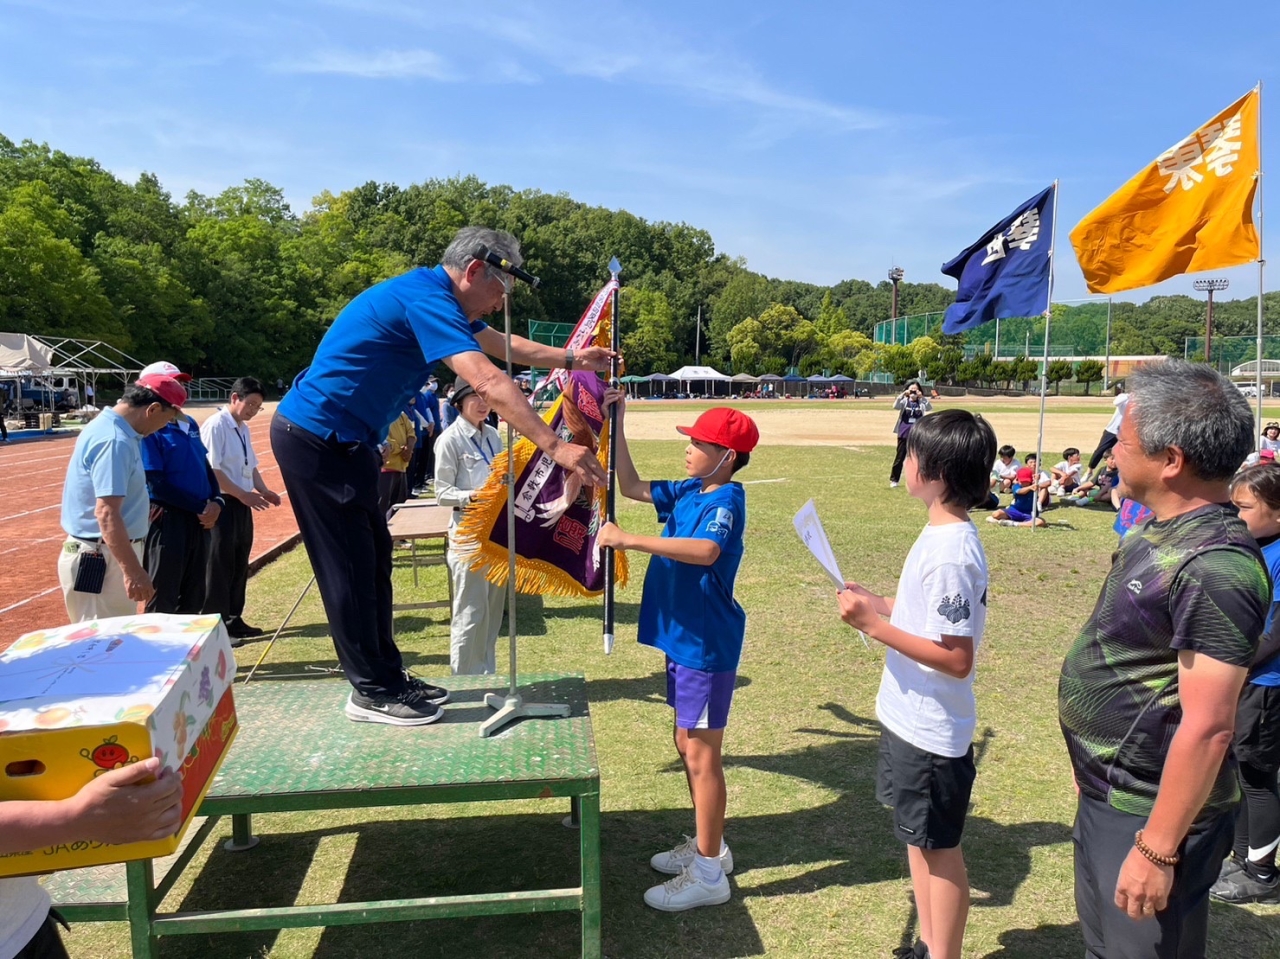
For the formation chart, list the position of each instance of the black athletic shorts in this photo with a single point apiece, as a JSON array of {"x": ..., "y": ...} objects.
[
  {"x": 929, "y": 794},
  {"x": 1257, "y": 736}
]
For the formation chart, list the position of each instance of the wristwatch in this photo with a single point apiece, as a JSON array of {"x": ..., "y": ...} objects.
[{"x": 568, "y": 359}]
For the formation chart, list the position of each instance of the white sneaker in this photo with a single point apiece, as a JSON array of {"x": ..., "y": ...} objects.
[
  {"x": 687, "y": 891},
  {"x": 893, "y": 484},
  {"x": 673, "y": 861}
]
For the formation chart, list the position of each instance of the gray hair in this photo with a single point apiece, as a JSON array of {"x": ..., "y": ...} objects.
[
  {"x": 462, "y": 250},
  {"x": 1195, "y": 408}
]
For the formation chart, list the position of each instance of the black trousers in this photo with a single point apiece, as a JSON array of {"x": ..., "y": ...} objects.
[
  {"x": 1108, "y": 440},
  {"x": 422, "y": 466},
  {"x": 333, "y": 488},
  {"x": 229, "y": 545},
  {"x": 900, "y": 457},
  {"x": 1103, "y": 837},
  {"x": 393, "y": 489},
  {"x": 47, "y": 943},
  {"x": 177, "y": 559}
]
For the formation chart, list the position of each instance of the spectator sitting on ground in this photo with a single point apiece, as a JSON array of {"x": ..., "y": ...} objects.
[
  {"x": 1102, "y": 487},
  {"x": 1066, "y": 474},
  {"x": 1004, "y": 472},
  {"x": 1021, "y": 511}
]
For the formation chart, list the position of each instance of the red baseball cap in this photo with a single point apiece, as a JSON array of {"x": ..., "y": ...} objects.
[
  {"x": 725, "y": 427},
  {"x": 1025, "y": 475},
  {"x": 165, "y": 368},
  {"x": 165, "y": 387}
]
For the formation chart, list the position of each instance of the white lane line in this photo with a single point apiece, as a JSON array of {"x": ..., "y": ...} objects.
[
  {"x": 31, "y": 599},
  {"x": 30, "y": 511},
  {"x": 29, "y": 543}
]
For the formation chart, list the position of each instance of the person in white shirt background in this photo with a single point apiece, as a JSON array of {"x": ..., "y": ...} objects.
[
  {"x": 226, "y": 436},
  {"x": 1111, "y": 431},
  {"x": 464, "y": 455}
]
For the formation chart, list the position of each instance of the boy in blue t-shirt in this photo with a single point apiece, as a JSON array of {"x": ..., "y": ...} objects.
[{"x": 688, "y": 611}]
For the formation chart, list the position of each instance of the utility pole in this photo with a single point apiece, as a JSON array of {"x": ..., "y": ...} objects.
[
  {"x": 1209, "y": 286},
  {"x": 697, "y": 339},
  {"x": 895, "y": 277}
]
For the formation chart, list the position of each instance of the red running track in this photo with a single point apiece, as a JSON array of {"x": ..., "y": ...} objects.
[{"x": 31, "y": 476}]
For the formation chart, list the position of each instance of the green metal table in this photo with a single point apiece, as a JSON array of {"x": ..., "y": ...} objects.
[{"x": 296, "y": 751}]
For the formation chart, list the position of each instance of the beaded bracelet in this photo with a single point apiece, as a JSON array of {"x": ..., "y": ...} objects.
[{"x": 1151, "y": 854}]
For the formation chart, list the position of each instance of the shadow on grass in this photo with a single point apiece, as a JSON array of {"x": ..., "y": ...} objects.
[
  {"x": 461, "y": 856},
  {"x": 651, "y": 688}
]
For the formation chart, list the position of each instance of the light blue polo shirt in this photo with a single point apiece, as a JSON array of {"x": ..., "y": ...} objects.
[
  {"x": 106, "y": 461},
  {"x": 379, "y": 352}
]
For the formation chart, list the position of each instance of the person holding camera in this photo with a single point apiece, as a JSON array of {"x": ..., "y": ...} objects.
[{"x": 911, "y": 404}]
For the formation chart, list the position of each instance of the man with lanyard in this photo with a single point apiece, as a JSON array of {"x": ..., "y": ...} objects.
[
  {"x": 379, "y": 350},
  {"x": 185, "y": 504},
  {"x": 464, "y": 455},
  {"x": 226, "y": 436},
  {"x": 105, "y": 505}
]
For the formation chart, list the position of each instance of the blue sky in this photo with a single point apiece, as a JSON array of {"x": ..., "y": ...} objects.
[{"x": 820, "y": 141}]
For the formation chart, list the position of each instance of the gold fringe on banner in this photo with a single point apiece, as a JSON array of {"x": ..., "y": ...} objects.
[{"x": 534, "y": 575}]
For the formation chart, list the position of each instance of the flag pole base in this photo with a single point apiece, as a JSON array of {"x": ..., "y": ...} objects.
[{"x": 512, "y": 707}]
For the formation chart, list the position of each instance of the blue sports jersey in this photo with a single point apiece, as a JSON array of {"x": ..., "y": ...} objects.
[
  {"x": 689, "y": 611},
  {"x": 177, "y": 465},
  {"x": 1268, "y": 673},
  {"x": 378, "y": 353}
]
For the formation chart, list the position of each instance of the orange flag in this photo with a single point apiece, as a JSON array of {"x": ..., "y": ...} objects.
[{"x": 1190, "y": 210}]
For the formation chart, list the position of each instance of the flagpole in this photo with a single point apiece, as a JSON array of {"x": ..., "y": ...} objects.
[
  {"x": 611, "y": 497},
  {"x": 1044, "y": 368},
  {"x": 1261, "y": 266},
  {"x": 1106, "y": 370}
]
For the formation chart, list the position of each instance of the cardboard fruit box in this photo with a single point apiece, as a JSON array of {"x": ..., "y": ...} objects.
[{"x": 82, "y": 699}]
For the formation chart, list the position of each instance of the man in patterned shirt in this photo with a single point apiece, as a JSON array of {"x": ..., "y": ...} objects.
[{"x": 1148, "y": 692}]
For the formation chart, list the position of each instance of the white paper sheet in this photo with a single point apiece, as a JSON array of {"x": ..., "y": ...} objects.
[{"x": 809, "y": 527}]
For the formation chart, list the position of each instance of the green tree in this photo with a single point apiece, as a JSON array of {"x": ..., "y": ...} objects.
[
  {"x": 1058, "y": 371},
  {"x": 647, "y": 331},
  {"x": 1088, "y": 371}
]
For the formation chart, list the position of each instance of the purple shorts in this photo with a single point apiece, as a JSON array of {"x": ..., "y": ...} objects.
[
  {"x": 1017, "y": 515},
  {"x": 701, "y": 699}
]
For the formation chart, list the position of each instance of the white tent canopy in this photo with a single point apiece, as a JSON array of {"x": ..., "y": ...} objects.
[
  {"x": 20, "y": 353},
  {"x": 697, "y": 373}
]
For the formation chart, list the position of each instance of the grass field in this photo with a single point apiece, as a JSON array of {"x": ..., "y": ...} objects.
[{"x": 817, "y": 870}]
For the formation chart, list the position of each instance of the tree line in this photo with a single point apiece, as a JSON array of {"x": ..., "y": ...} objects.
[{"x": 241, "y": 283}]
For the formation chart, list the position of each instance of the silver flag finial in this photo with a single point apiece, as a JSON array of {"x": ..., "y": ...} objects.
[{"x": 614, "y": 266}]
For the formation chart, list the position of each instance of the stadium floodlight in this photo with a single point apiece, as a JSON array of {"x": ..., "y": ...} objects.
[{"x": 1210, "y": 286}]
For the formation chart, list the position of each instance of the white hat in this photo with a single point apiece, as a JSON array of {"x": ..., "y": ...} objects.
[{"x": 165, "y": 368}]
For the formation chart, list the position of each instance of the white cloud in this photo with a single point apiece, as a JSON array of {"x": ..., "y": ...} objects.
[{"x": 379, "y": 65}]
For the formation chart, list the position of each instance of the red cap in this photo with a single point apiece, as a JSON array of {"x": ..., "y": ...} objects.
[
  {"x": 165, "y": 387},
  {"x": 1025, "y": 475},
  {"x": 1267, "y": 455},
  {"x": 725, "y": 427},
  {"x": 165, "y": 368}
]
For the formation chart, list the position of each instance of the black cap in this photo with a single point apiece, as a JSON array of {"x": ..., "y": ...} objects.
[{"x": 461, "y": 390}]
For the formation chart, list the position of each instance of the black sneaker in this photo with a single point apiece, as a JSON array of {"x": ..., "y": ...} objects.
[
  {"x": 238, "y": 629},
  {"x": 1243, "y": 886},
  {"x": 432, "y": 694},
  {"x": 409, "y": 708},
  {"x": 918, "y": 951}
]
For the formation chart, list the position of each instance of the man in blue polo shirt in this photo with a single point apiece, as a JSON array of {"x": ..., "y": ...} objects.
[
  {"x": 325, "y": 435},
  {"x": 105, "y": 505},
  {"x": 185, "y": 503}
]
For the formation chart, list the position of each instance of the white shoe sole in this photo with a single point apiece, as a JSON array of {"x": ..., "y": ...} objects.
[
  {"x": 717, "y": 900},
  {"x": 668, "y": 869},
  {"x": 358, "y": 714}
]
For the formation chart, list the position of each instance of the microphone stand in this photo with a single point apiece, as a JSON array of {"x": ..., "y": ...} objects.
[
  {"x": 512, "y": 706},
  {"x": 611, "y": 497}
]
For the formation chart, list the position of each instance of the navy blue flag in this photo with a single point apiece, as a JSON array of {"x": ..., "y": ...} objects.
[{"x": 1006, "y": 273}]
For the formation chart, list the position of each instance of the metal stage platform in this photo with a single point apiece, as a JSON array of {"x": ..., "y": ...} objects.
[{"x": 297, "y": 751}]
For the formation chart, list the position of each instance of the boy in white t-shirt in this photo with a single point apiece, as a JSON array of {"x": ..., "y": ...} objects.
[
  {"x": 1066, "y": 474},
  {"x": 1004, "y": 471},
  {"x": 926, "y": 704}
]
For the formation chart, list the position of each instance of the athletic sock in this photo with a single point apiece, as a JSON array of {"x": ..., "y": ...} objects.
[{"x": 707, "y": 869}]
